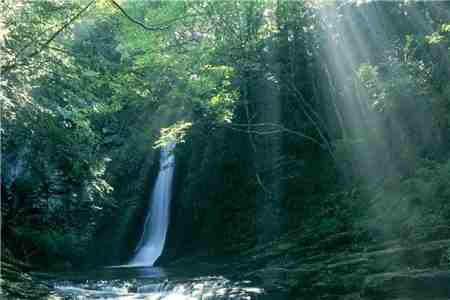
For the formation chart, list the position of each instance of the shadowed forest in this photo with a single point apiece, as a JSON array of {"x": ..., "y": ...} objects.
[{"x": 311, "y": 141}]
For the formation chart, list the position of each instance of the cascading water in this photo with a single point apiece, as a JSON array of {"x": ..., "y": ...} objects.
[
  {"x": 153, "y": 237},
  {"x": 140, "y": 280}
]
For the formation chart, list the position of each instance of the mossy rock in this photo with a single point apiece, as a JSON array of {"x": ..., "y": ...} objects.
[
  {"x": 17, "y": 284},
  {"x": 23, "y": 288}
]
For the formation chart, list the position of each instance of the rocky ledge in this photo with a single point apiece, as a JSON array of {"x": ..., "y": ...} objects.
[
  {"x": 337, "y": 267},
  {"x": 17, "y": 283}
]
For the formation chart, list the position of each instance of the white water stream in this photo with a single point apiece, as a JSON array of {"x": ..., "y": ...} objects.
[{"x": 156, "y": 224}]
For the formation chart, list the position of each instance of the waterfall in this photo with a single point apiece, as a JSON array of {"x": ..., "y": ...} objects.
[{"x": 153, "y": 236}]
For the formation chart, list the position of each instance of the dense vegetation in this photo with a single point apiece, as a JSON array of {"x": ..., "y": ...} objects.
[{"x": 329, "y": 117}]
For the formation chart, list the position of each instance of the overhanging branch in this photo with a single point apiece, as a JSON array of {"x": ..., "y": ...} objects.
[
  {"x": 160, "y": 27},
  {"x": 45, "y": 44}
]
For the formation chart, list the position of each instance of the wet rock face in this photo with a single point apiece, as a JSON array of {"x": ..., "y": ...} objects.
[
  {"x": 414, "y": 285},
  {"x": 16, "y": 284},
  {"x": 382, "y": 271}
]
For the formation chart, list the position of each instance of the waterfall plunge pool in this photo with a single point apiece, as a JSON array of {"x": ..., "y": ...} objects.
[
  {"x": 139, "y": 280},
  {"x": 152, "y": 283}
]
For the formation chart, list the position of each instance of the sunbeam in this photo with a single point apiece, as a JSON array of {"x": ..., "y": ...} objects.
[{"x": 241, "y": 149}]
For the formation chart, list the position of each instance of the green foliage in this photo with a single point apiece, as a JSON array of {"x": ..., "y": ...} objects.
[
  {"x": 56, "y": 247},
  {"x": 369, "y": 76},
  {"x": 174, "y": 134},
  {"x": 441, "y": 36},
  {"x": 403, "y": 84},
  {"x": 269, "y": 97},
  {"x": 408, "y": 115},
  {"x": 416, "y": 206}
]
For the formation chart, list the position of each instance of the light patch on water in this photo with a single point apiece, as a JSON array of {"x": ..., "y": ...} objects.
[
  {"x": 203, "y": 288},
  {"x": 253, "y": 290},
  {"x": 179, "y": 297}
]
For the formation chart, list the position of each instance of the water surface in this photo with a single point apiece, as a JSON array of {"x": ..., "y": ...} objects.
[{"x": 151, "y": 283}]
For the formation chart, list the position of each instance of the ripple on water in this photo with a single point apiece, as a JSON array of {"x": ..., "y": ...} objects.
[{"x": 201, "y": 288}]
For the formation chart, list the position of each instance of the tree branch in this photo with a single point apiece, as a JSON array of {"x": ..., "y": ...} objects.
[
  {"x": 48, "y": 41},
  {"x": 270, "y": 128},
  {"x": 160, "y": 27}
]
